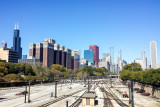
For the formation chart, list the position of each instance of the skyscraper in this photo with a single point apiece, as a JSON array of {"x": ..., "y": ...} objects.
[
  {"x": 3, "y": 44},
  {"x": 76, "y": 51},
  {"x": 139, "y": 60},
  {"x": 56, "y": 54},
  {"x": 32, "y": 49},
  {"x": 95, "y": 54},
  {"x": 17, "y": 42},
  {"x": 105, "y": 62},
  {"x": 39, "y": 51},
  {"x": 68, "y": 58},
  {"x": 50, "y": 53},
  {"x": 153, "y": 53},
  {"x": 76, "y": 58},
  {"x": 88, "y": 55},
  {"x": 144, "y": 59},
  {"x": 112, "y": 54},
  {"x": 61, "y": 56},
  {"x": 106, "y": 57},
  {"x": 120, "y": 54}
]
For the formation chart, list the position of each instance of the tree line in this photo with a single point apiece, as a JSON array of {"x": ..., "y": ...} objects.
[
  {"x": 134, "y": 71},
  {"x": 15, "y": 72}
]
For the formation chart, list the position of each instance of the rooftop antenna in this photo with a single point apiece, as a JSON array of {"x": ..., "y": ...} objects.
[{"x": 15, "y": 26}]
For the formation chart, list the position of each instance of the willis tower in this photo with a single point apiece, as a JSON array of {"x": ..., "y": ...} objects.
[{"x": 17, "y": 42}]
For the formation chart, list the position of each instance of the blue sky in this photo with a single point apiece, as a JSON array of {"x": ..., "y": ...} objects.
[{"x": 123, "y": 24}]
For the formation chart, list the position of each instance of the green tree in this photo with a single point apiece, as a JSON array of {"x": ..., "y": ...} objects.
[
  {"x": 39, "y": 70},
  {"x": 88, "y": 70},
  {"x": 10, "y": 77},
  {"x": 28, "y": 70},
  {"x": 22, "y": 68},
  {"x": 133, "y": 67},
  {"x": 125, "y": 75},
  {"x": 58, "y": 67},
  {"x": 19, "y": 78}
]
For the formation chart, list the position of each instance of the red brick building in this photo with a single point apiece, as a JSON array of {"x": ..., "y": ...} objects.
[
  {"x": 50, "y": 53},
  {"x": 96, "y": 53}
]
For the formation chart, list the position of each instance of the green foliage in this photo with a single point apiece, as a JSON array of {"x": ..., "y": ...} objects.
[
  {"x": 19, "y": 78},
  {"x": 10, "y": 77},
  {"x": 151, "y": 76},
  {"x": 28, "y": 70},
  {"x": 32, "y": 78},
  {"x": 79, "y": 75},
  {"x": 94, "y": 71},
  {"x": 39, "y": 70},
  {"x": 56, "y": 70},
  {"x": 88, "y": 70},
  {"x": 58, "y": 67},
  {"x": 133, "y": 67},
  {"x": 97, "y": 73},
  {"x": 25, "y": 72},
  {"x": 125, "y": 75},
  {"x": 15, "y": 68}
]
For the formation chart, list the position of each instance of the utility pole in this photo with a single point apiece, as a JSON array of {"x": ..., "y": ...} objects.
[
  {"x": 85, "y": 81},
  {"x": 25, "y": 94},
  {"x": 29, "y": 93},
  {"x": 66, "y": 103},
  {"x": 94, "y": 85},
  {"x": 132, "y": 93},
  {"x": 88, "y": 84},
  {"x": 129, "y": 87},
  {"x": 55, "y": 89},
  {"x": 110, "y": 81}
]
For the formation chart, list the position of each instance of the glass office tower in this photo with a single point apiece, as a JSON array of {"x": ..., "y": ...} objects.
[{"x": 88, "y": 55}]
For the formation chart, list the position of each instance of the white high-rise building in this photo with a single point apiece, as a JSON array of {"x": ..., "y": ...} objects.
[
  {"x": 120, "y": 54},
  {"x": 106, "y": 61},
  {"x": 144, "y": 59},
  {"x": 112, "y": 54},
  {"x": 153, "y": 53},
  {"x": 3, "y": 44},
  {"x": 139, "y": 60},
  {"x": 106, "y": 57}
]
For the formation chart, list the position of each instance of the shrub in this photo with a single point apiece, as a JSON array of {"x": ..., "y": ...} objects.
[{"x": 10, "y": 77}]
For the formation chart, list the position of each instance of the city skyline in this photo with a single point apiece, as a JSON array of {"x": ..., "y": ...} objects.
[
  {"x": 114, "y": 57},
  {"x": 131, "y": 32}
]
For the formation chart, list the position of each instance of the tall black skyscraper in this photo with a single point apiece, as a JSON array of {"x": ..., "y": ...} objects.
[{"x": 17, "y": 42}]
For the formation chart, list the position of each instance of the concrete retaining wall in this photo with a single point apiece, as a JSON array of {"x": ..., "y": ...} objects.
[{"x": 154, "y": 91}]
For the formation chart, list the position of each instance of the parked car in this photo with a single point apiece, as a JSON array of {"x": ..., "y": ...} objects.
[
  {"x": 140, "y": 91},
  {"x": 69, "y": 87}
]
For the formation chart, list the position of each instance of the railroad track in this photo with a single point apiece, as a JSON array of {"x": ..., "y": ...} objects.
[
  {"x": 60, "y": 98},
  {"x": 107, "y": 99},
  {"x": 114, "y": 97},
  {"x": 19, "y": 96},
  {"x": 79, "y": 100}
]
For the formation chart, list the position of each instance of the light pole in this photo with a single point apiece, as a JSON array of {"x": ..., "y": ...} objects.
[
  {"x": 132, "y": 93},
  {"x": 56, "y": 88},
  {"x": 29, "y": 93},
  {"x": 25, "y": 92}
]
